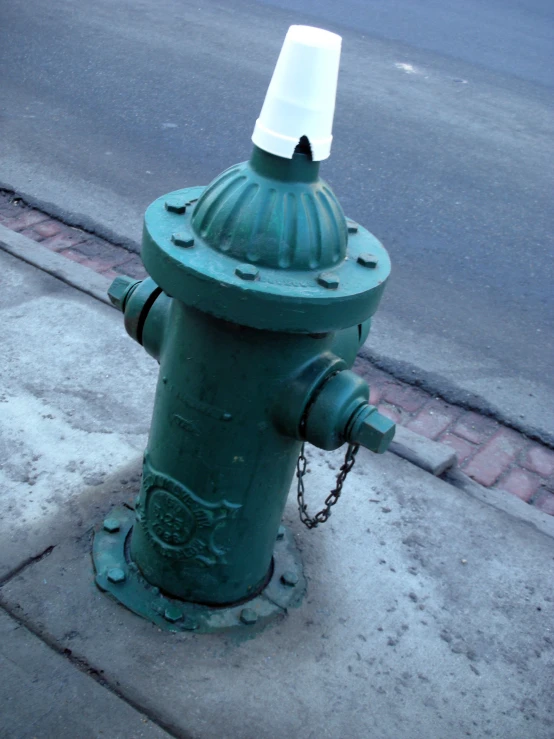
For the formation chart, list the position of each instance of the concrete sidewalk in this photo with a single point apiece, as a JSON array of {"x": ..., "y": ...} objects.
[{"x": 429, "y": 613}]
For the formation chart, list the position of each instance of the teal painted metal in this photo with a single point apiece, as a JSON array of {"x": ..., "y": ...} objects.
[{"x": 272, "y": 292}]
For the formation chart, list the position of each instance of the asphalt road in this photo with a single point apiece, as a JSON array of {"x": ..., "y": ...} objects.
[{"x": 443, "y": 148}]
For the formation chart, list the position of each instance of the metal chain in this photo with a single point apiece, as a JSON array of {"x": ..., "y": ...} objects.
[{"x": 334, "y": 495}]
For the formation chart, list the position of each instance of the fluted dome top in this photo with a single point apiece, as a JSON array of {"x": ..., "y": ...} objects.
[{"x": 274, "y": 213}]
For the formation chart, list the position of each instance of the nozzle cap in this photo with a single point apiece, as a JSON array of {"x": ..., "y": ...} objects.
[
  {"x": 372, "y": 430},
  {"x": 300, "y": 100}
]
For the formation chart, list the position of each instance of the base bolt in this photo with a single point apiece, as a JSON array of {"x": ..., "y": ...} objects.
[
  {"x": 189, "y": 623},
  {"x": 289, "y": 578},
  {"x": 352, "y": 227},
  {"x": 281, "y": 532},
  {"x": 111, "y": 525},
  {"x": 328, "y": 280},
  {"x": 368, "y": 260},
  {"x": 182, "y": 239},
  {"x": 247, "y": 272},
  {"x": 175, "y": 206},
  {"x": 248, "y": 616},
  {"x": 116, "y": 575},
  {"x": 173, "y": 614}
]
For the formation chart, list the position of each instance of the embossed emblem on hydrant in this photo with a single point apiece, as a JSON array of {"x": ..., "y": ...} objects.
[{"x": 180, "y": 524}]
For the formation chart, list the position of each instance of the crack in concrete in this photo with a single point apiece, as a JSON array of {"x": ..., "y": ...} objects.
[
  {"x": 88, "y": 669},
  {"x": 26, "y": 563}
]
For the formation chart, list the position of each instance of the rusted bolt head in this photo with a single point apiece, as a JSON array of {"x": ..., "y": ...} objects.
[
  {"x": 368, "y": 260},
  {"x": 289, "y": 578},
  {"x": 182, "y": 239},
  {"x": 174, "y": 205},
  {"x": 111, "y": 525},
  {"x": 247, "y": 272},
  {"x": 248, "y": 616},
  {"x": 120, "y": 289},
  {"x": 173, "y": 614},
  {"x": 328, "y": 280},
  {"x": 116, "y": 575}
]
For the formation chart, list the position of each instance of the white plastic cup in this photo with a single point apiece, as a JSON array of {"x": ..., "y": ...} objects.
[{"x": 300, "y": 100}]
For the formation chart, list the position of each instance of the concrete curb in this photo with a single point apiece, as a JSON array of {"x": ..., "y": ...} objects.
[
  {"x": 431, "y": 456},
  {"x": 509, "y": 504},
  {"x": 72, "y": 273}
]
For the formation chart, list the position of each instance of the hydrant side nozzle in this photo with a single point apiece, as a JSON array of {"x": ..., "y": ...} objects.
[
  {"x": 145, "y": 308},
  {"x": 298, "y": 392},
  {"x": 340, "y": 398},
  {"x": 341, "y": 412},
  {"x": 371, "y": 429}
]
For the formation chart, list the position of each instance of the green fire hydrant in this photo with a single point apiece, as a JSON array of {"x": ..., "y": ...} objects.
[{"x": 260, "y": 295}]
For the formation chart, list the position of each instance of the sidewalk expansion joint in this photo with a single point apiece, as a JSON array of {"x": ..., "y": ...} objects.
[
  {"x": 26, "y": 563},
  {"x": 85, "y": 667}
]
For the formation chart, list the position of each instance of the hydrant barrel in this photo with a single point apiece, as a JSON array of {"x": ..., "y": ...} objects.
[{"x": 217, "y": 470}]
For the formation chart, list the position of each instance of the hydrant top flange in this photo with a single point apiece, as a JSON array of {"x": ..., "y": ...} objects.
[{"x": 219, "y": 250}]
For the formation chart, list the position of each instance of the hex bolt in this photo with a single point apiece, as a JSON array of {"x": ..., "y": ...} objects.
[
  {"x": 248, "y": 616},
  {"x": 352, "y": 227},
  {"x": 182, "y": 239},
  {"x": 111, "y": 525},
  {"x": 373, "y": 430},
  {"x": 247, "y": 272},
  {"x": 368, "y": 260},
  {"x": 281, "y": 532},
  {"x": 120, "y": 289},
  {"x": 289, "y": 578},
  {"x": 175, "y": 206},
  {"x": 173, "y": 614},
  {"x": 328, "y": 280},
  {"x": 189, "y": 623},
  {"x": 116, "y": 575}
]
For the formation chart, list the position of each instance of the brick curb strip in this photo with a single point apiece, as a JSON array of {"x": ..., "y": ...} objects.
[{"x": 487, "y": 451}]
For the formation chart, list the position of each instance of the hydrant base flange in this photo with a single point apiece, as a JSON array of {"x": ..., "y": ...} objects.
[{"x": 118, "y": 576}]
